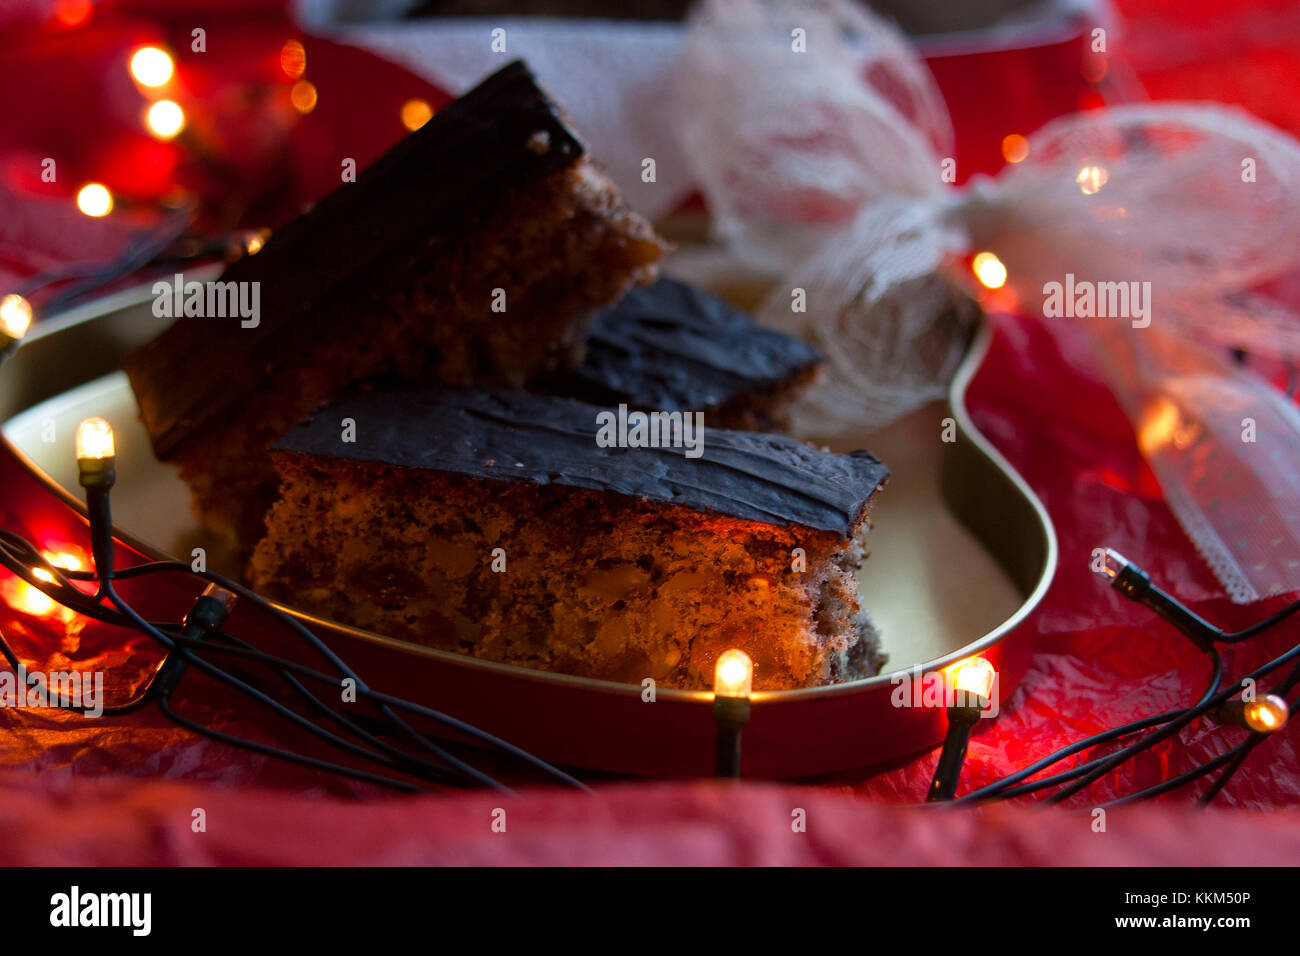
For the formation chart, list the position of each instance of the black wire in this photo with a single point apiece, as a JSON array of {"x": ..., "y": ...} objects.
[
  {"x": 258, "y": 601},
  {"x": 20, "y": 557},
  {"x": 126, "y": 616},
  {"x": 1165, "y": 732},
  {"x": 1086, "y": 743},
  {"x": 138, "y": 252},
  {"x": 1259, "y": 626},
  {"x": 244, "y": 743},
  {"x": 999, "y": 789},
  {"x": 332, "y": 714},
  {"x": 415, "y": 709},
  {"x": 1242, "y": 751},
  {"x": 1251, "y": 742},
  {"x": 1173, "y": 784},
  {"x": 258, "y": 696}
]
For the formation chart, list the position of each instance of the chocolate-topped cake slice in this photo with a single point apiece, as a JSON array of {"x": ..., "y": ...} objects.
[
  {"x": 671, "y": 346},
  {"x": 502, "y": 524},
  {"x": 474, "y": 251}
]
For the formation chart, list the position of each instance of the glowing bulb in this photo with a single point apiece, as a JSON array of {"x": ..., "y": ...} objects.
[
  {"x": 1015, "y": 148},
  {"x": 254, "y": 241},
  {"x": 1091, "y": 179},
  {"x": 30, "y": 600},
  {"x": 989, "y": 269},
  {"x": 734, "y": 676},
  {"x": 94, "y": 199},
  {"x": 293, "y": 59},
  {"x": 415, "y": 113},
  {"x": 151, "y": 66},
  {"x": 1266, "y": 715},
  {"x": 973, "y": 676},
  {"x": 1159, "y": 425},
  {"x": 15, "y": 316},
  {"x": 94, "y": 440},
  {"x": 165, "y": 119},
  {"x": 62, "y": 559},
  {"x": 303, "y": 96},
  {"x": 41, "y": 574}
]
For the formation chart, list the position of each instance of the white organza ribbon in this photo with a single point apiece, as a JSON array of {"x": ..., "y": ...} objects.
[{"x": 820, "y": 140}]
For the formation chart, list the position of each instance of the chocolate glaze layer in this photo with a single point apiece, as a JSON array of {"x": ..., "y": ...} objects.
[
  {"x": 503, "y": 133},
  {"x": 672, "y": 346},
  {"x": 502, "y": 435}
]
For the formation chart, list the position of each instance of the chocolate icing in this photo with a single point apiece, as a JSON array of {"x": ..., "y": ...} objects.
[
  {"x": 503, "y": 435},
  {"x": 504, "y": 133},
  {"x": 672, "y": 346}
]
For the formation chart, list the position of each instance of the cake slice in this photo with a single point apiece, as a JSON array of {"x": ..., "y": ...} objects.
[
  {"x": 493, "y": 522},
  {"x": 475, "y": 251},
  {"x": 670, "y": 346}
]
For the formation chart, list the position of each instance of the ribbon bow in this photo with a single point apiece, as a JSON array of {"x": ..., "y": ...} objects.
[{"x": 820, "y": 143}]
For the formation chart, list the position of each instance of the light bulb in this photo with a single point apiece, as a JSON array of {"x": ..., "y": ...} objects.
[
  {"x": 303, "y": 95},
  {"x": 293, "y": 59},
  {"x": 973, "y": 676},
  {"x": 1015, "y": 148},
  {"x": 165, "y": 119},
  {"x": 734, "y": 675},
  {"x": 94, "y": 440},
  {"x": 15, "y": 316},
  {"x": 95, "y": 200},
  {"x": 151, "y": 66},
  {"x": 415, "y": 113},
  {"x": 989, "y": 269},
  {"x": 1091, "y": 179},
  {"x": 1266, "y": 715}
]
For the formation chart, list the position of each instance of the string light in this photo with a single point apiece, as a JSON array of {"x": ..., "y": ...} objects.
[
  {"x": 95, "y": 443},
  {"x": 1135, "y": 584},
  {"x": 1091, "y": 179},
  {"x": 293, "y": 59},
  {"x": 95, "y": 200},
  {"x": 255, "y": 240},
  {"x": 21, "y": 596},
  {"x": 733, "y": 681},
  {"x": 97, "y": 472},
  {"x": 1015, "y": 148},
  {"x": 989, "y": 269},
  {"x": 415, "y": 113},
  {"x": 15, "y": 320},
  {"x": 165, "y": 119},
  {"x": 63, "y": 559},
  {"x": 151, "y": 66},
  {"x": 303, "y": 96},
  {"x": 972, "y": 682},
  {"x": 973, "y": 677},
  {"x": 734, "y": 675},
  {"x": 1265, "y": 715}
]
